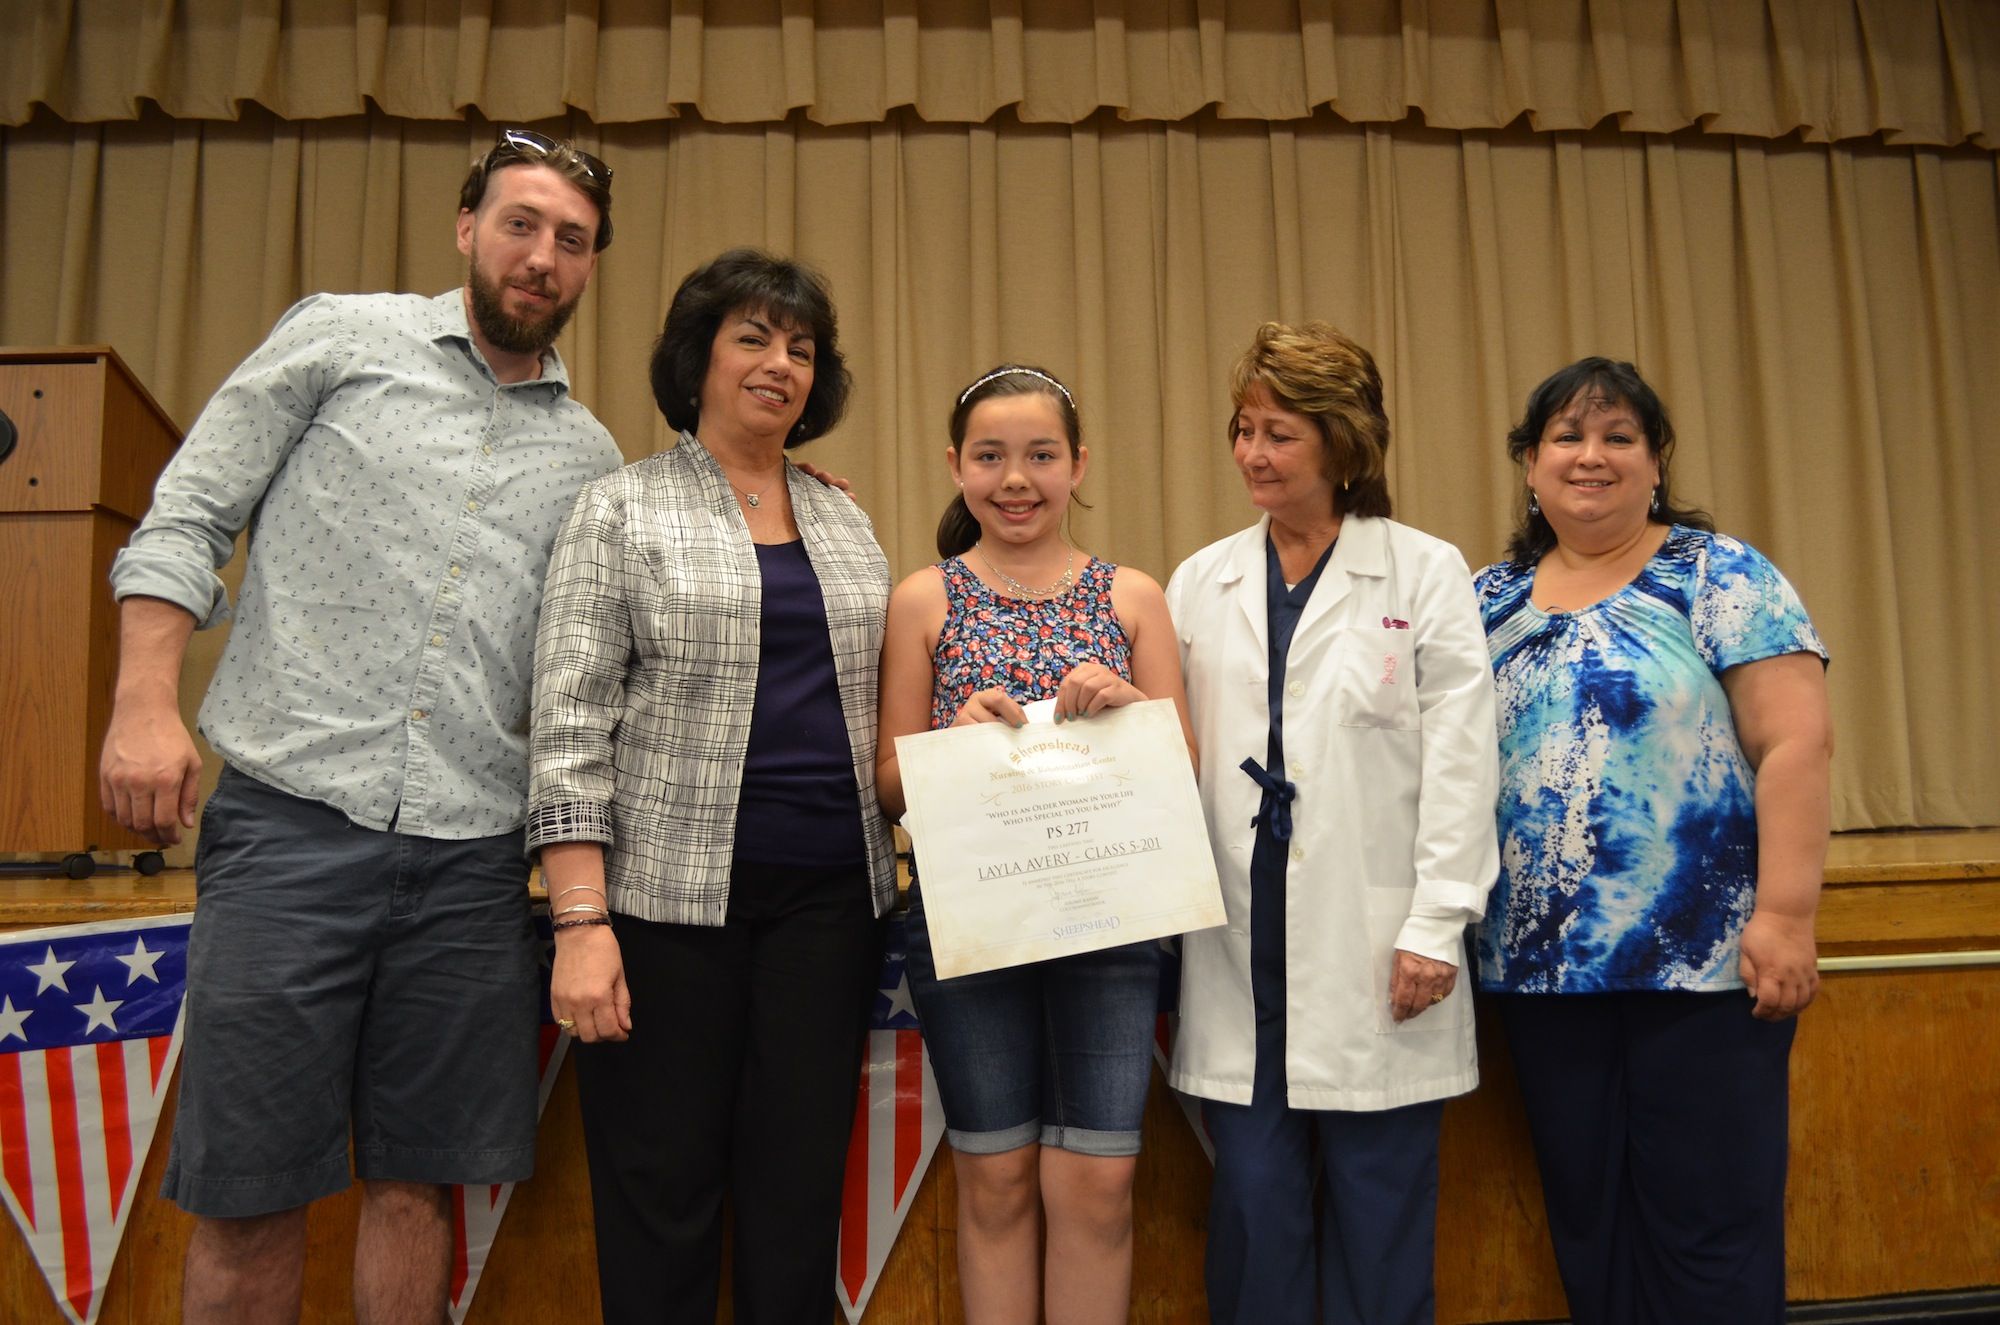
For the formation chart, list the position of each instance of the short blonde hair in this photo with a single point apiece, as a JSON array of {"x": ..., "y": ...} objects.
[{"x": 1314, "y": 370}]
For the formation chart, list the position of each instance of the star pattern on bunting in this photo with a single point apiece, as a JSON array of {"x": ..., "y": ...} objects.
[
  {"x": 13, "y": 1022},
  {"x": 899, "y": 997},
  {"x": 50, "y": 973},
  {"x": 139, "y": 963},
  {"x": 99, "y": 1010}
]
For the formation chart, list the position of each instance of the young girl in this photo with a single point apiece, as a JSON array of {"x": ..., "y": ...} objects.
[{"x": 1042, "y": 1068}]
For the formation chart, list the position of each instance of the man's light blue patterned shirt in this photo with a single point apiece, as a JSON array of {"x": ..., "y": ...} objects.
[
  {"x": 401, "y": 504},
  {"x": 1628, "y": 828}
]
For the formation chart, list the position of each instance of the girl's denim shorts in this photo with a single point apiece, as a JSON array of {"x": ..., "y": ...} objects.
[{"x": 1059, "y": 1052}]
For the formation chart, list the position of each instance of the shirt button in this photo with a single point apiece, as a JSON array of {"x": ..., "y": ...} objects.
[
  {"x": 456, "y": 572},
  {"x": 486, "y": 450},
  {"x": 418, "y": 714},
  {"x": 437, "y": 641},
  {"x": 1295, "y": 689},
  {"x": 1298, "y": 853},
  {"x": 1297, "y": 771}
]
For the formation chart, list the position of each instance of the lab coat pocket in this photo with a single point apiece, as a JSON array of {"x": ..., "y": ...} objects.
[
  {"x": 1385, "y": 918},
  {"x": 1375, "y": 678}
]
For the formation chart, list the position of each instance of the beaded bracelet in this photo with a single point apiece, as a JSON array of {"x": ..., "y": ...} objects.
[{"x": 581, "y": 920}]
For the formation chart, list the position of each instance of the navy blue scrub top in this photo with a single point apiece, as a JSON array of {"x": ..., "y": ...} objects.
[{"x": 1282, "y": 609}]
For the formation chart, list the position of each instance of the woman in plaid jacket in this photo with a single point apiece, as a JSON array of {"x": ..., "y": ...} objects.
[{"x": 704, "y": 805}]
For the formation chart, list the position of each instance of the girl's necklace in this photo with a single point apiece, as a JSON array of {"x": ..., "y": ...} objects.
[
  {"x": 753, "y": 498},
  {"x": 1062, "y": 584}
]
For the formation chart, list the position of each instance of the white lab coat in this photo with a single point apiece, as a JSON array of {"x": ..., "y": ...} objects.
[{"x": 1390, "y": 739}]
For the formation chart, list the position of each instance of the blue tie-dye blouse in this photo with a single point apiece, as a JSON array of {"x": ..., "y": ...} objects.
[{"x": 1628, "y": 833}]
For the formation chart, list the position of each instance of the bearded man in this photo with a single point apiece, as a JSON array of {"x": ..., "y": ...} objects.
[{"x": 362, "y": 959}]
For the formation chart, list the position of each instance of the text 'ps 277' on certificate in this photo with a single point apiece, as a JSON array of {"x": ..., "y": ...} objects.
[{"x": 1046, "y": 840}]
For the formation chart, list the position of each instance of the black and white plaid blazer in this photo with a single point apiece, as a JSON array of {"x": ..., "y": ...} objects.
[{"x": 646, "y": 670}]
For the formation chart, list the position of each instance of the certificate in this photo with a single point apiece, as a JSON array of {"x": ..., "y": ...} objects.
[{"x": 1050, "y": 839}]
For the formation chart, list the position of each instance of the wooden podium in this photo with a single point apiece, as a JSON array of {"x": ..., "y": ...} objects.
[{"x": 88, "y": 443}]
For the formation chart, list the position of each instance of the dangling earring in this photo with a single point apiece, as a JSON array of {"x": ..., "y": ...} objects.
[
  {"x": 1534, "y": 503},
  {"x": 1654, "y": 509}
]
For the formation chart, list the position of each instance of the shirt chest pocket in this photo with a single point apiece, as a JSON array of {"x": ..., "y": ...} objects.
[{"x": 1373, "y": 675}]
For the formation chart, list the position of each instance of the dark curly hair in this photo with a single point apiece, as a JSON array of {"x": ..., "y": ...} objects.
[
  {"x": 1604, "y": 383},
  {"x": 749, "y": 280}
]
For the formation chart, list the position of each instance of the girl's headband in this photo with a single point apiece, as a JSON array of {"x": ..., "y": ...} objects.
[{"x": 1007, "y": 372}]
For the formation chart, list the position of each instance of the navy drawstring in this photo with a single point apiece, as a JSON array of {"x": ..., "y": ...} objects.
[{"x": 1276, "y": 806}]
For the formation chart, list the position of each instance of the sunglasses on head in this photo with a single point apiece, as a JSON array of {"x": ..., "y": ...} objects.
[{"x": 529, "y": 143}]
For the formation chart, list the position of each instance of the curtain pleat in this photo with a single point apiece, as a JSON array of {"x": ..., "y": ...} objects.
[
  {"x": 1910, "y": 71},
  {"x": 1819, "y": 320}
]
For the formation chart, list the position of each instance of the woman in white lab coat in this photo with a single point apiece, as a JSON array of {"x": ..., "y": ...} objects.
[{"x": 1340, "y": 690}]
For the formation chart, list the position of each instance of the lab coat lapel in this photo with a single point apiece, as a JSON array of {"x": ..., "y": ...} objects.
[
  {"x": 1241, "y": 576},
  {"x": 1361, "y": 552}
]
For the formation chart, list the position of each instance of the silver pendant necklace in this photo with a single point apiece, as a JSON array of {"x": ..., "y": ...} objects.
[
  {"x": 1061, "y": 585},
  {"x": 753, "y": 499}
]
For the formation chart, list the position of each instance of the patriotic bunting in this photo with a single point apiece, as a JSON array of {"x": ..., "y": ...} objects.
[
  {"x": 90, "y": 1028},
  {"x": 897, "y": 1125}
]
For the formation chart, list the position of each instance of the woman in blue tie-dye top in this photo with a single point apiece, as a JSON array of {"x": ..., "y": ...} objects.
[{"x": 1664, "y": 742}]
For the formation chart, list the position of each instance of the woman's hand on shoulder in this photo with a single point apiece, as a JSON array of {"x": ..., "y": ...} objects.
[
  {"x": 1780, "y": 964},
  {"x": 1091, "y": 688},
  {"x": 587, "y": 984},
  {"x": 836, "y": 481}
]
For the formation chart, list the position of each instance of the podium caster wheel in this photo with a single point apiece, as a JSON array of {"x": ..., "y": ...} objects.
[
  {"x": 149, "y": 863},
  {"x": 79, "y": 865}
]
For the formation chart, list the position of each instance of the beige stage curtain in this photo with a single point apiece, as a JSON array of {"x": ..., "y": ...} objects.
[
  {"x": 1913, "y": 71},
  {"x": 1820, "y": 320}
]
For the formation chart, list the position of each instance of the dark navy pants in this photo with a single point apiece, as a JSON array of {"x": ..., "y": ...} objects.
[
  {"x": 1369, "y": 1260},
  {"x": 1659, "y": 1122}
]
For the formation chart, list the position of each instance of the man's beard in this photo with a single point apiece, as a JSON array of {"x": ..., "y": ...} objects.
[{"x": 514, "y": 335}]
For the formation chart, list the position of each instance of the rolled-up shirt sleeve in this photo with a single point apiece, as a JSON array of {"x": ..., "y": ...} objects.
[
  {"x": 583, "y": 652},
  {"x": 1457, "y": 851},
  {"x": 212, "y": 486}
]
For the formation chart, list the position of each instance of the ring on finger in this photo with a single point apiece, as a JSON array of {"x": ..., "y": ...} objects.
[{"x": 566, "y": 1024}]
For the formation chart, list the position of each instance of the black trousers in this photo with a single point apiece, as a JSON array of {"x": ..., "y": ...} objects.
[
  {"x": 1659, "y": 1122},
  {"x": 739, "y": 1077}
]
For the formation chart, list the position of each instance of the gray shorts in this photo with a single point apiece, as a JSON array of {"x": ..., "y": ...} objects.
[{"x": 341, "y": 977}]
